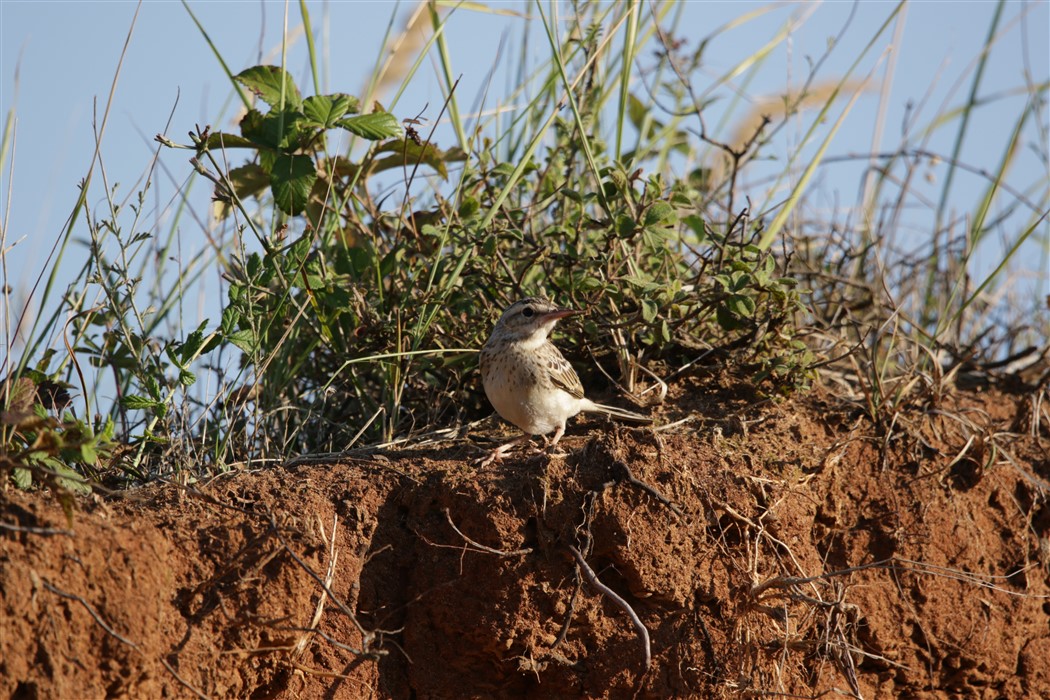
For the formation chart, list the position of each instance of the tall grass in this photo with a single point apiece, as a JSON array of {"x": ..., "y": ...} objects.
[{"x": 364, "y": 252}]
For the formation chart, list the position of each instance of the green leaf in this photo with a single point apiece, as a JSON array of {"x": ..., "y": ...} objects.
[
  {"x": 726, "y": 319},
  {"x": 44, "y": 362},
  {"x": 285, "y": 130},
  {"x": 586, "y": 283},
  {"x": 23, "y": 478},
  {"x": 194, "y": 341},
  {"x": 244, "y": 340},
  {"x": 504, "y": 169},
  {"x": 136, "y": 402},
  {"x": 265, "y": 81},
  {"x": 740, "y": 280},
  {"x": 698, "y": 226},
  {"x": 361, "y": 260},
  {"x": 291, "y": 180},
  {"x": 624, "y": 225},
  {"x": 230, "y": 318},
  {"x": 656, "y": 237},
  {"x": 649, "y": 310},
  {"x": 769, "y": 265},
  {"x": 108, "y": 430},
  {"x": 275, "y": 130},
  {"x": 741, "y": 306},
  {"x": 300, "y": 249},
  {"x": 70, "y": 479},
  {"x": 172, "y": 351},
  {"x": 660, "y": 214},
  {"x": 252, "y": 129},
  {"x": 374, "y": 127},
  {"x": 391, "y": 261},
  {"x": 325, "y": 110},
  {"x": 468, "y": 207},
  {"x": 88, "y": 454}
]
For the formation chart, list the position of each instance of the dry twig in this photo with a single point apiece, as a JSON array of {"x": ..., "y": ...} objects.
[
  {"x": 36, "y": 530},
  {"x": 185, "y": 684},
  {"x": 635, "y": 481},
  {"x": 483, "y": 548},
  {"x": 92, "y": 612},
  {"x": 366, "y": 636},
  {"x": 333, "y": 557},
  {"x": 113, "y": 633},
  {"x": 643, "y": 633}
]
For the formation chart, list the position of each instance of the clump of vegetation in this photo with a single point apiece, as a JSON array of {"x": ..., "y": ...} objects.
[
  {"x": 368, "y": 316},
  {"x": 361, "y": 276},
  {"x": 41, "y": 444}
]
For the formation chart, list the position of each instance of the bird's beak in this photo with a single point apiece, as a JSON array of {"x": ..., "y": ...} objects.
[{"x": 559, "y": 314}]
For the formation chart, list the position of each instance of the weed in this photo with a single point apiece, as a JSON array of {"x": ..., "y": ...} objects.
[{"x": 368, "y": 260}]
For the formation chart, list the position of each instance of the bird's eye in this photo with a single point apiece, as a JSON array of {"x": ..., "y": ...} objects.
[{"x": 527, "y": 312}]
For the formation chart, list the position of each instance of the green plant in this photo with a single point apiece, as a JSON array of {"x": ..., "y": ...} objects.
[
  {"x": 41, "y": 443},
  {"x": 366, "y": 319},
  {"x": 363, "y": 259}
]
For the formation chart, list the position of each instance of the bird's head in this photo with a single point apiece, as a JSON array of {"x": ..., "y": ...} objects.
[{"x": 530, "y": 320}]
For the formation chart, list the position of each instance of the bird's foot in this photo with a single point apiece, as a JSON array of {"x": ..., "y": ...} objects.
[
  {"x": 550, "y": 447},
  {"x": 497, "y": 454}
]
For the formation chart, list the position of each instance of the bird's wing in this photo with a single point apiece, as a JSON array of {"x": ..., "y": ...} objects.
[{"x": 563, "y": 375}]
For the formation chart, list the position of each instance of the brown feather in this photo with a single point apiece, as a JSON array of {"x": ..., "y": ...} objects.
[{"x": 563, "y": 375}]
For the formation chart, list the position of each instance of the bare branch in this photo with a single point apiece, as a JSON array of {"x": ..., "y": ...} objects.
[
  {"x": 483, "y": 548},
  {"x": 643, "y": 633}
]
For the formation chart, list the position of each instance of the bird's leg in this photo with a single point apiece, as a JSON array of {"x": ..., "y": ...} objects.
[
  {"x": 552, "y": 446},
  {"x": 497, "y": 454},
  {"x": 557, "y": 435}
]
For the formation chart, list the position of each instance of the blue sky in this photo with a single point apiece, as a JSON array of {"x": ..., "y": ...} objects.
[{"x": 58, "y": 60}]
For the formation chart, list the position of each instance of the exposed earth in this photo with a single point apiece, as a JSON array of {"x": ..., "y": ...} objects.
[{"x": 765, "y": 548}]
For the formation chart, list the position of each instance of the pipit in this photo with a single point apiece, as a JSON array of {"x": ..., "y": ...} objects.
[{"x": 528, "y": 381}]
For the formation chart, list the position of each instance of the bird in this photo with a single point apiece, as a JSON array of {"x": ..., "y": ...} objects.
[{"x": 527, "y": 379}]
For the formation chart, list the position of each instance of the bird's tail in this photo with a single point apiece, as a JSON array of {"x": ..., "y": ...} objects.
[{"x": 618, "y": 413}]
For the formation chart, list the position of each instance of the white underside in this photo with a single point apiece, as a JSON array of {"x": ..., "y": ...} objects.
[{"x": 534, "y": 411}]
